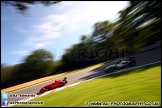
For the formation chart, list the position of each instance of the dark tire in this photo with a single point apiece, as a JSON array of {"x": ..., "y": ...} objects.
[
  {"x": 66, "y": 82},
  {"x": 62, "y": 84},
  {"x": 111, "y": 69},
  {"x": 106, "y": 71},
  {"x": 42, "y": 90},
  {"x": 49, "y": 89},
  {"x": 133, "y": 63}
]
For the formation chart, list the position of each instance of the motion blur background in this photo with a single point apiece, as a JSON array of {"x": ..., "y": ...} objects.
[{"x": 137, "y": 29}]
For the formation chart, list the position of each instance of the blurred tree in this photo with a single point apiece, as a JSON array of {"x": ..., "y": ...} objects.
[
  {"x": 76, "y": 56},
  {"x": 84, "y": 38},
  {"x": 137, "y": 14},
  {"x": 2, "y": 65},
  {"x": 7, "y": 78},
  {"x": 23, "y": 6},
  {"x": 39, "y": 55},
  {"x": 102, "y": 31},
  {"x": 40, "y": 62}
]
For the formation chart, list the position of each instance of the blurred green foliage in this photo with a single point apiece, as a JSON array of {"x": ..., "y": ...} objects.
[{"x": 23, "y": 6}]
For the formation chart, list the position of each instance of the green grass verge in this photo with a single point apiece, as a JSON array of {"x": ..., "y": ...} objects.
[{"x": 142, "y": 84}]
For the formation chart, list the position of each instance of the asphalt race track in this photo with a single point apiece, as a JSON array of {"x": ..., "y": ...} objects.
[{"x": 141, "y": 59}]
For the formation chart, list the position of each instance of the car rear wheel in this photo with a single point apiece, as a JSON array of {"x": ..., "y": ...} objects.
[
  {"x": 62, "y": 83},
  {"x": 65, "y": 82},
  {"x": 133, "y": 63}
]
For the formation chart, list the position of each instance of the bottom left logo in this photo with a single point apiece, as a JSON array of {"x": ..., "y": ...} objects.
[{"x": 4, "y": 102}]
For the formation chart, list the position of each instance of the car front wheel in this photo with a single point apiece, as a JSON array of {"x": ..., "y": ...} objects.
[
  {"x": 42, "y": 90},
  {"x": 111, "y": 69},
  {"x": 106, "y": 71}
]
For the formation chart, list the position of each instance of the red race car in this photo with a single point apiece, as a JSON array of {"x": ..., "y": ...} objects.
[{"x": 57, "y": 83}]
